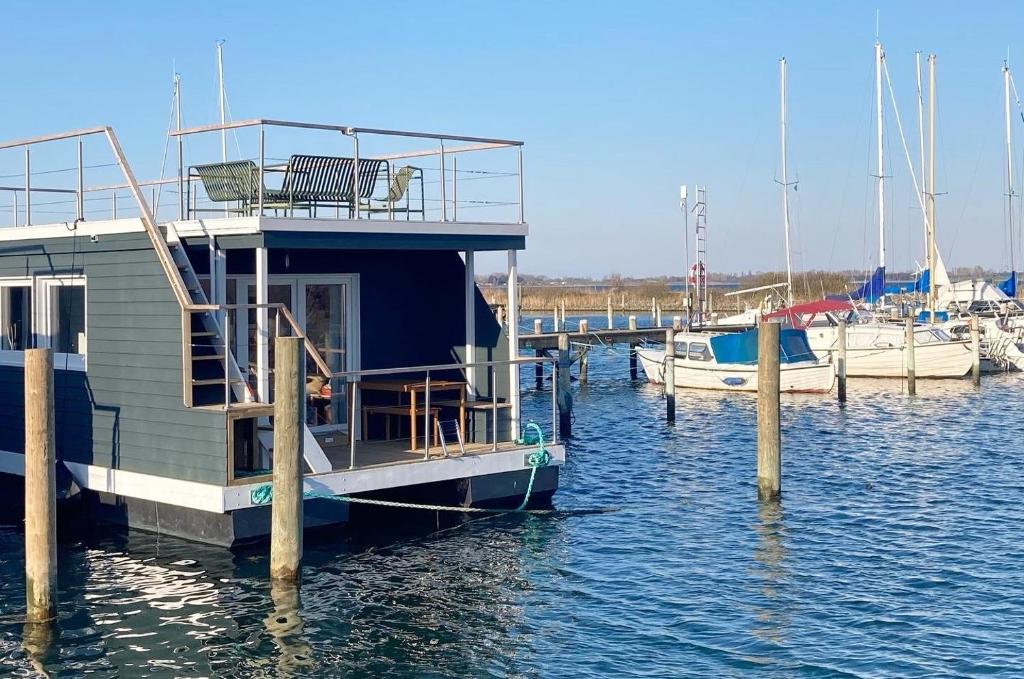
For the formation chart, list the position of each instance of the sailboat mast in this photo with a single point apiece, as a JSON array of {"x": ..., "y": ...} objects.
[
  {"x": 220, "y": 101},
  {"x": 931, "y": 186},
  {"x": 920, "y": 140},
  {"x": 879, "y": 55},
  {"x": 1009, "y": 160},
  {"x": 785, "y": 176}
]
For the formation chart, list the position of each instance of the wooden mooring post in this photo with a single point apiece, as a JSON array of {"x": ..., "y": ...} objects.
[
  {"x": 769, "y": 438},
  {"x": 670, "y": 375},
  {"x": 841, "y": 362},
  {"x": 975, "y": 352},
  {"x": 538, "y": 326},
  {"x": 611, "y": 318},
  {"x": 911, "y": 365},
  {"x": 40, "y": 488},
  {"x": 562, "y": 385},
  {"x": 286, "y": 518},
  {"x": 584, "y": 353},
  {"x": 554, "y": 318},
  {"x": 632, "y": 351},
  {"x": 677, "y": 323}
]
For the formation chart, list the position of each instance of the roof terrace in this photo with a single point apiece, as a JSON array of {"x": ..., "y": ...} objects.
[{"x": 273, "y": 168}]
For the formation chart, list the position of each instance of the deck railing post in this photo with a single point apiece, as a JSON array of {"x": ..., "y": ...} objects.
[
  {"x": 28, "y": 188},
  {"x": 227, "y": 359},
  {"x": 455, "y": 188},
  {"x": 444, "y": 191},
  {"x": 426, "y": 417},
  {"x": 286, "y": 510},
  {"x": 259, "y": 183},
  {"x": 538, "y": 371},
  {"x": 113, "y": 204},
  {"x": 351, "y": 387},
  {"x": 519, "y": 172},
  {"x": 80, "y": 196},
  {"x": 494, "y": 409},
  {"x": 355, "y": 176}
]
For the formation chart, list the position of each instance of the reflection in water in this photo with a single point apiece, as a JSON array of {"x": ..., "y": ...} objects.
[
  {"x": 284, "y": 624},
  {"x": 898, "y": 554},
  {"x": 37, "y": 643},
  {"x": 769, "y": 556}
]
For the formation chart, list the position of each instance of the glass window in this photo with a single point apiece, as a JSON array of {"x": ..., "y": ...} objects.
[
  {"x": 699, "y": 352},
  {"x": 15, "y": 317},
  {"x": 67, "y": 309}
]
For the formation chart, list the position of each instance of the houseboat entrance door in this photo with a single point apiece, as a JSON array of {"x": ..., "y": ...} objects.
[{"x": 326, "y": 309}]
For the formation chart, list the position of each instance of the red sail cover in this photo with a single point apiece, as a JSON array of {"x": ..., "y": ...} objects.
[{"x": 801, "y": 315}]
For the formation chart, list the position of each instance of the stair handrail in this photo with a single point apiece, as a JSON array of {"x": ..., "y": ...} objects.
[{"x": 163, "y": 254}]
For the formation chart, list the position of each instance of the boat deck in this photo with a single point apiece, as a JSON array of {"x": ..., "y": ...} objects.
[{"x": 376, "y": 453}]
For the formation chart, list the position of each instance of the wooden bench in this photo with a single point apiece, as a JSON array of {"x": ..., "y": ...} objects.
[{"x": 401, "y": 411}]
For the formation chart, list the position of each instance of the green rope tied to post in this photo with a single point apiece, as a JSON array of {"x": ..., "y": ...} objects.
[{"x": 264, "y": 493}]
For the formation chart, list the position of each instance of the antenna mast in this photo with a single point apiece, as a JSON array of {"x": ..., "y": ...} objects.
[
  {"x": 700, "y": 268},
  {"x": 220, "y": 101},
  {"x": 785, "y": 177}
]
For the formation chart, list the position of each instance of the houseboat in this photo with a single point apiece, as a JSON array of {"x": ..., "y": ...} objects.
[{"x": 162, "y": 319}]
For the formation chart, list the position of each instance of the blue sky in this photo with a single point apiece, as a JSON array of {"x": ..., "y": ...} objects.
[{"x": 618, "y": 103}]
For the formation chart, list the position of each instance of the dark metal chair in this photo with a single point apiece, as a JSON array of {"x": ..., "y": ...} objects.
[
  {"x": 311, "y": 182},
  {"x": 232, "y": 182}
]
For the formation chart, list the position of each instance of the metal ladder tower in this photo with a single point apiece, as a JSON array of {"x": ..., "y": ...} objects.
[{"x": 700, "y": 273}]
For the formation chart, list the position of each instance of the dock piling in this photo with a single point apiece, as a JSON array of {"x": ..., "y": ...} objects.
[
  {"x": 564, "y": 395},
  {"x": 286, "y": 519},
  {"x": 584, "y": 325},
  {"x": 554, "y": 318},
  {"x": 975, "y": 352},
  {"x": 911, "y": 365},
  {"x": 670, "y": 375},
  {"x": 657, "y": 316},
  {"x": 538, "y": 326},
  {"x": 841, "y": 362},
  {"x": 677, "y": 323},
  {"x": 584, "y": 365},
  {"x": 563, "y": 313},
  {"x": 769, "y": 440},
  {"x": 632, "y": 322},
  {"x": 611, "y": 319},
  {"x": 40, "y": 488}
]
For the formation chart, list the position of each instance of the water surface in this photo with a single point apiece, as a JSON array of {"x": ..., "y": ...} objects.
[{"x": 896, "y": 551}]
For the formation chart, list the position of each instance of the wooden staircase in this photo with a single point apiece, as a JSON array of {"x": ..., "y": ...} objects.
[{"x": 206, "y": 378}]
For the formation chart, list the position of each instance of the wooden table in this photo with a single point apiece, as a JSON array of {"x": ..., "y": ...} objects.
[{"x": 399, "y": 387}]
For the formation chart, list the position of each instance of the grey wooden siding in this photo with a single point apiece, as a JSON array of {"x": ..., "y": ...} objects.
[{"x": 126, "y": 412}]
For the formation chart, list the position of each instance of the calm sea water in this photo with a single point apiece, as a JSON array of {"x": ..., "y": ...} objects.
[{"x": 897, "y": 550}]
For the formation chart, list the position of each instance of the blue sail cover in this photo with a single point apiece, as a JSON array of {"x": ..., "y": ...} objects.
[
  {"x": 923, "y": 281},
  {"x": 1009, "y": 286},
  {"x": 873, "y": 288},
  {"x": 741, "y": 347}
]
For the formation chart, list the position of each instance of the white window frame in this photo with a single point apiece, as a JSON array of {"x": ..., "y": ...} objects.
[
  {"x": 42, "y": 318},
  {"x": 16, "y": 357}
]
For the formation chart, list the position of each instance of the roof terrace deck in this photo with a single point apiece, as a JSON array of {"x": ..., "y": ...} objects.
[{"x": 273, "y": 168}]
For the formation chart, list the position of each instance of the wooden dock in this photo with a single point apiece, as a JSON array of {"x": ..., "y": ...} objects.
[{"x": 549, "y": 340}]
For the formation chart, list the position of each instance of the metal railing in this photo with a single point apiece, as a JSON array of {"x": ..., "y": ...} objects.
[
  {"x": 148, "y": 220},
  {"x": 447, "y": 166},
  {"x": 353, "y": 377}
]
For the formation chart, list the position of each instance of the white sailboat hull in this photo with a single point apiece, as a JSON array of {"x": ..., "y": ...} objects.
[
  {"x": 878, "y": 351},
  {"x": 803, "y": 377}
]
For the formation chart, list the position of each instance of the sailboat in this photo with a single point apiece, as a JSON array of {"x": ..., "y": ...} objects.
[{"x": 875, "y": 348}]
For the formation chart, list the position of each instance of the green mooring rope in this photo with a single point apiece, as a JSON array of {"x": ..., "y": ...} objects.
[{"x": 264, "y": 493}]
